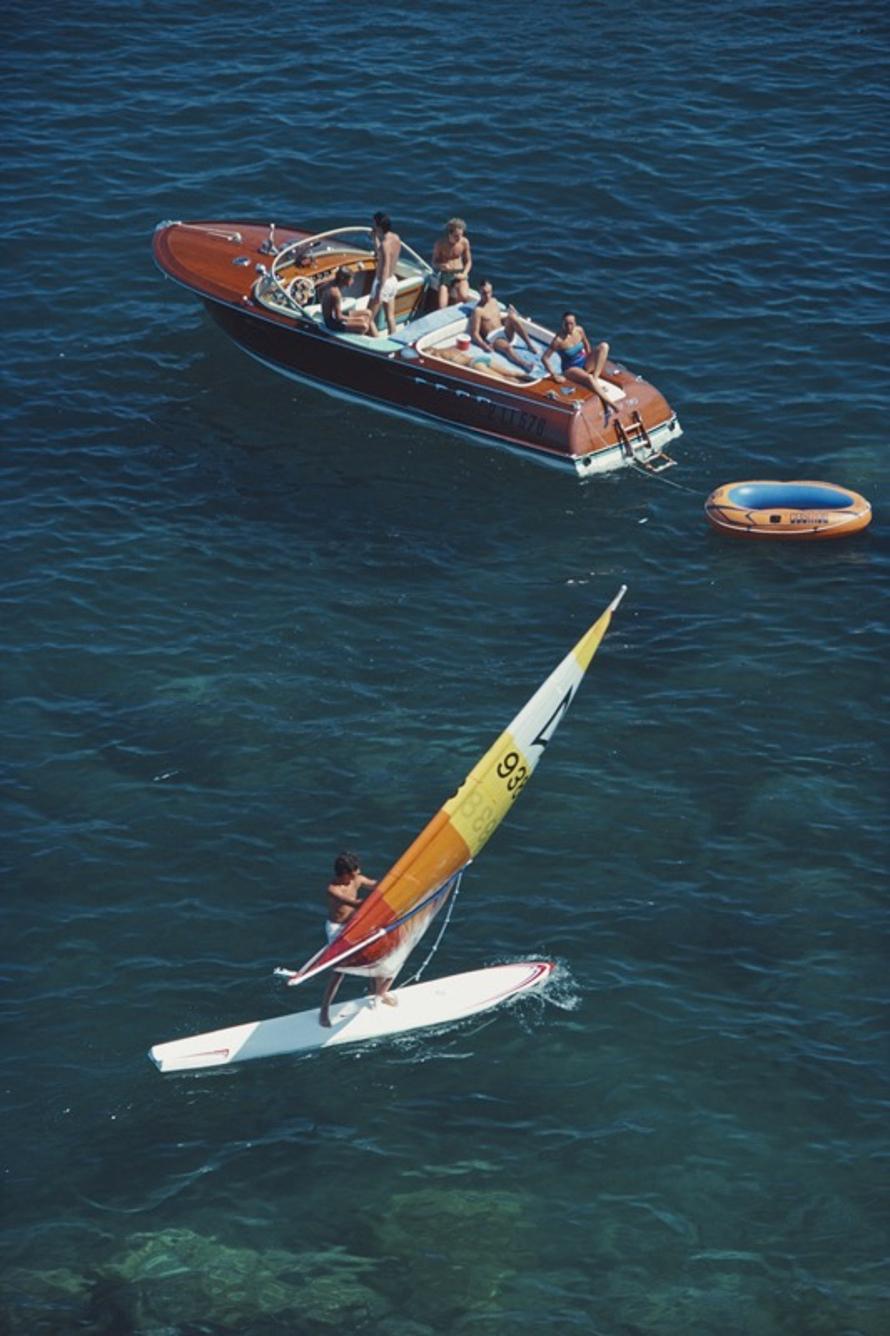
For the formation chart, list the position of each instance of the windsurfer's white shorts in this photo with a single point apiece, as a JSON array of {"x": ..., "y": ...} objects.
[
  {"x": 388, "y": 291},
  {"x": 332, "y": 930}
]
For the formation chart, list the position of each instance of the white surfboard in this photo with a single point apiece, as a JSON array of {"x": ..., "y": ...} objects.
[{"x": 417, "y": 1005}]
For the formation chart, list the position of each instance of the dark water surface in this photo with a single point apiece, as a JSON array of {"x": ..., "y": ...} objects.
[{"x": 246, "y": 625}]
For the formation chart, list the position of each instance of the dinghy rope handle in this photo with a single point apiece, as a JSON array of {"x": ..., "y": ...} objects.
[{"x": 302, "y": 290}]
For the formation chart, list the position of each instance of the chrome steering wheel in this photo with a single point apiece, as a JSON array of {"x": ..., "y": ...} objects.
[{"x": 301, "y": 290}]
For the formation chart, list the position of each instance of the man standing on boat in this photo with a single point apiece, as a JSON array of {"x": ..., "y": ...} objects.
[
  {"x": 343, "y": 901},
  {"x": 387, "y": 248}
]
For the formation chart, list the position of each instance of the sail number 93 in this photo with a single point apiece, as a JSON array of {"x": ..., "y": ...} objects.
[{"x": 515, "y": 774}]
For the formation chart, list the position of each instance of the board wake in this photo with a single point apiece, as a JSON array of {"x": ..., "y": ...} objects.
[{"x": 418, "y": 1005}]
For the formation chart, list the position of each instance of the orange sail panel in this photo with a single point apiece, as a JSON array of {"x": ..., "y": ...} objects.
[{"x": 388, "y": 924}]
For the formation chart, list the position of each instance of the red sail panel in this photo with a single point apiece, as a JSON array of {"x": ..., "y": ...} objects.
[{"x": 436, "y": 854}]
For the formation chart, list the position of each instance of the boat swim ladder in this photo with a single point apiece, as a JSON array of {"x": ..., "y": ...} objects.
[{"x": 633, "y": 437}]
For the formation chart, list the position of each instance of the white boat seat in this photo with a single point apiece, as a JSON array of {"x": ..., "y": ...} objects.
[
  {"x": 429, "y": 324},
  {"x": 378, "y": 345}
]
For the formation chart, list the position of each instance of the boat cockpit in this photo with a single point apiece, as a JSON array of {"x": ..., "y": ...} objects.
[{"x": 302, "y": 269}]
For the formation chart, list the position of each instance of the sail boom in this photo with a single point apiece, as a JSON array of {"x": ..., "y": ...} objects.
[{"x": 307, "y": 972}]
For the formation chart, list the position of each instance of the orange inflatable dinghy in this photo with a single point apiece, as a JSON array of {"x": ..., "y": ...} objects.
[{"x": 787, "y": 510}]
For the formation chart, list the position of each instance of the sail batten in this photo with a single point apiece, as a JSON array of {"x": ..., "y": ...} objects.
[{"x": 388, "y": 924}]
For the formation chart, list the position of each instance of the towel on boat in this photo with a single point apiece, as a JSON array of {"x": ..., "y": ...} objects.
[{"x": 613, "y": 394}]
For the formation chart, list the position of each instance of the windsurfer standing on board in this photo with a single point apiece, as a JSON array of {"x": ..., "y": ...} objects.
[
  {"x": 343, "y": 901},
  {"x": 387, "y": 248}
]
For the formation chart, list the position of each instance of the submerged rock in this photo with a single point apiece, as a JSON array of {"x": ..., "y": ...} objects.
[
  {"x": 182, "y": 1277},
  {"x": 33, "y": 1302},
  {"x": 178, "y": 1281},
  {"x": 456, "y": 1249}
]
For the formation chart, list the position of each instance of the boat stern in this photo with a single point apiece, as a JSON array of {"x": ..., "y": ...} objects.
[{"x": 635, "y": 429}]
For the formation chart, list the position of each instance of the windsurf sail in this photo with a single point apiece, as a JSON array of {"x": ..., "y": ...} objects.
[{"x": 383, "y": 930}]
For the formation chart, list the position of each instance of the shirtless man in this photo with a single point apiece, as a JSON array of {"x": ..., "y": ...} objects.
[
  {"x": 452, "y": 261},
  {"x": 387, "y": 248},
  {"x": 493, "y": 331},
  {"x": 343, "y": 901},
  {"x": 353, "y": 322}
]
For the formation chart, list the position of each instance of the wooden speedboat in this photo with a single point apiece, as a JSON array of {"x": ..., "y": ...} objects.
[{"x": 263, "y": 285}]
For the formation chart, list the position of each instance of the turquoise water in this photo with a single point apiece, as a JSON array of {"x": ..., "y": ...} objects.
[{"x": 246, "y": 625}]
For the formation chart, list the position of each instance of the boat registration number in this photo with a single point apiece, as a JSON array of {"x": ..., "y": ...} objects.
[{"x": 516, "y": 418}]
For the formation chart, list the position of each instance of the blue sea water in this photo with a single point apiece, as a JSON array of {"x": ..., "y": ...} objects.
[{"x": 246, "y": 625}]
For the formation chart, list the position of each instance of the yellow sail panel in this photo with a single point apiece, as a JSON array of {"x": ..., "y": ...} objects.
[
  {"x": 589, "y": 643},
  {"x": 495, "y": 782},
  {"x": 488, "y": 792}
]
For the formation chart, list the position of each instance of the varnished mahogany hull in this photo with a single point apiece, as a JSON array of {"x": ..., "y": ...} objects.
[{"x": 502, "y": 416}]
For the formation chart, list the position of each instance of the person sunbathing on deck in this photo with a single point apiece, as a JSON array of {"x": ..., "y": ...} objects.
[
  {"x": 491, "y": 329},
  {"x": 480, "y": 362},
  {"x": 581, "y": 363},
  {"x": 343, "y": 901},
  {"x": 335, "y": 318}
]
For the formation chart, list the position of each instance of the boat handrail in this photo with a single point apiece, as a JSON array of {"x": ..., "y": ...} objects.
[
  {"x": 287, "y": 253},
  {"x": 421, "y": 262}
]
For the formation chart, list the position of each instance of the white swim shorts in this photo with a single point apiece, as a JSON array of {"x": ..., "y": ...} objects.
[{"x": 388, "y": 291}]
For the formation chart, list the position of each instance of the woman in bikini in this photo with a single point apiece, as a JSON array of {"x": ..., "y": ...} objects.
[
  {"x": 579, "y": 362},
  {"x": 452, "y": 261}
]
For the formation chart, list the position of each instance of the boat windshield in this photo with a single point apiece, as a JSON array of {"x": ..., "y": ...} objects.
[{"x": 346, "y": 243}]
